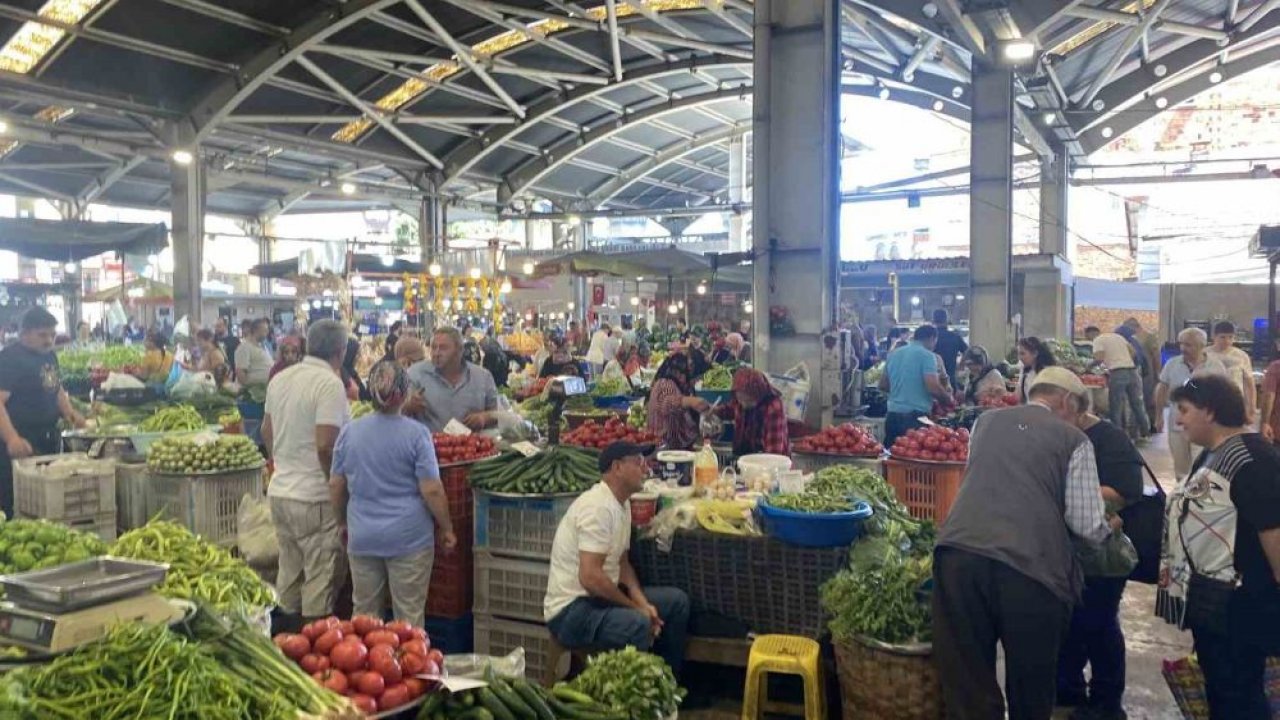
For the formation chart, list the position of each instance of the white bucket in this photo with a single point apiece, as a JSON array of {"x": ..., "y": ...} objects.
[
  {"x": 676, "y": 467},
  {"x": 762, "y": 465}
]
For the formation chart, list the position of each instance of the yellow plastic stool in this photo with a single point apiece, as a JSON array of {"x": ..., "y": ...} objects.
[{"x": 787, "y": 654}]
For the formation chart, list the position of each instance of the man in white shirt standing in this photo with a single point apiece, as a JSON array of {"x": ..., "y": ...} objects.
[
  {"x": 1193, "y": 362},
  {"x": 594, "y": 599},
  {"x": 596, "y": 351},
  {"x": 1238, "y": 364},
  {"x": 306, "y": 407},
  {"x": 1123, "y": 383},
  {"x": 253, "y": 362}
]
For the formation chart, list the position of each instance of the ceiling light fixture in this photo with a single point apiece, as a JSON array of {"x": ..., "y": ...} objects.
[
  {"x": 505, "y": 287},
  {"x": 1049, "y": 118},
  {"x": 1107, "y": 132},
  {"x": 1162, "y": 102},
  {"x": 433, "y": 269},
  {"x": 938, "y": 106},
  {"x": 1019, "y": 51},
  {"x": 883, "y": 93},
  {"x": 1215, "y": 77},
  {"x": 528, "y": 268},
  {"x": 182, "y": 157},
  {"x": 474, "y": 273},
  {"x": 635, "y": 301},
  {"x": 348, "y": 188}
]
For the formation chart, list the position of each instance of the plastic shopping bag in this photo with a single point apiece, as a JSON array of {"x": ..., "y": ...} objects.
[
  {"x": 255, "y": 533},
  {"x": 793, "y": 386}
]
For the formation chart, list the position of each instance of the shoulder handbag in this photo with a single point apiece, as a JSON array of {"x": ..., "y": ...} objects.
[
  {"x": 1144, "y": 524},
  {"x": 1207, "y": 598}
]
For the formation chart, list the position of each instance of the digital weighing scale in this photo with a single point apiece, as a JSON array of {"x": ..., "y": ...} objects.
[{"x": 60, "y": 608}]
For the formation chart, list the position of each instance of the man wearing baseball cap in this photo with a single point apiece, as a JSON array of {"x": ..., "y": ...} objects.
[
  {"x": 594, "y": 599},
  {"x": 1005, "y": 569}
]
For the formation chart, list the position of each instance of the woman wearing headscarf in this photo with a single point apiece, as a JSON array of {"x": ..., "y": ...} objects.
[
  {"x": 560, "y": 362},
  {"x": 673, "y": 408},
  {"x": 738, "y": 347},
  {"x": 292, "y": 349},
  {"x": 759, "y": 417},
  {"x": 983, "y": 378},
  {"x": 385, "y": 486},
  {"x": 157, "y": 361}
]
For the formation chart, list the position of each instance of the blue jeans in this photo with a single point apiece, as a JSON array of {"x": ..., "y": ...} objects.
[
  {"x": 595, "y": 624},
  {"x": 1097, "y": 640},
  {"x": 897, "y": 424},
  {"x": 1124, "y": 386}
]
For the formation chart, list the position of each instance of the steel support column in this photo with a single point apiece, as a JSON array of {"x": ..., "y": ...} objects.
[
  {"x": 737, "y": 191},
  {"x": 1046, "y": 297},
  {"x": 990, "y": 206},
  {"x": 796, "y": 173},
  {"x": 186, "y": 226},
  {"x": 1055, "y": 183}
]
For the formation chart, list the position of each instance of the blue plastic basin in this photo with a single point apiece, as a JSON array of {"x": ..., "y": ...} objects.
[{"x": 814, "y": 529}]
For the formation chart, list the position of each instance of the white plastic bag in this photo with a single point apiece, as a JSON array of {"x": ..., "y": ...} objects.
[
  {"x": 193, "y": 383},
  {"x": 255, "y": 534},
  {"x": 120, "y": 381},
  {"x": 793, "y": 386},
  {"x": 473, "y": 666}
]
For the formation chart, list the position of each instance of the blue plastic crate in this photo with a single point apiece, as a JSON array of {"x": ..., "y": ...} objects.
[
  {"x": 814, "y": 529},
  {"x": 451, "y": 635}
]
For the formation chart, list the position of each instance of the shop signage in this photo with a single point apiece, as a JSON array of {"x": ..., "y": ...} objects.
[{"x": 597, "y": 294}]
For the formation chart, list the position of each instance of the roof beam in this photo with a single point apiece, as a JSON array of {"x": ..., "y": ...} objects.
[
  {"x": 924, "y": 49},
  {"x": 606, "y": 191},
  {"x": 729, "y": 50},
  {"x": 37, "y": 187},
  {"x": 464, "y": 55},
  {"x": 717, "y": 8},
  {"x": 461, "y": 160},
  {"x": 1133, "y": 19},
  {"x": 658, "y": 19},
  {"x": 103, "y": 182},
  {"x": 615, "y": 50},
  {"x": 1126, "y": 47},
  {"x": 371, "y": 112},
  {"x": 231, "y": 17},
  {"x": 515, "y": 183},
  {"x": 325, "y": 20},
  {"x": 117, "y": 40},
  {"x": 555, "y": 44},
  {"x": 399, "y": 118}
]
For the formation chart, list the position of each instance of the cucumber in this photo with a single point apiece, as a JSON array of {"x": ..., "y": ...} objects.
[
  {"x": 567, "y": 694},
  {"x": 512, "y": 699},
  {"x": 434, "y": 702},
  {"x": 476, "y": 713},
  {"x": 493, "y": 704},
  {"x": 533, "y": 700}
]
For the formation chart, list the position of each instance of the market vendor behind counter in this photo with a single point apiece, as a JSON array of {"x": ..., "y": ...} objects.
[
  {"x": 758, "y": 415},
  {"x": 447, "y": 387},
  {"x": 31, "y": 398}
]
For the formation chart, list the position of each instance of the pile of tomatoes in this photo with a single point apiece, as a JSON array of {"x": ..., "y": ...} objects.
[
  {"x": 462, "y": 448},
  {"x": 936, "y": 444},
  {"x": 997, "y": 401},
  {"x": 846, "y": 439},
  {"x": 591, "y": 434},
  {"x": 373, "y": 664}
]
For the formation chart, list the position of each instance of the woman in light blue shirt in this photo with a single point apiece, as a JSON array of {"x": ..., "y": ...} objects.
[{"x": 385, "y": 485}]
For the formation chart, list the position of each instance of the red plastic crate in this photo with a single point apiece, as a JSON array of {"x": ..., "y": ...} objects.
[
  {"x": 452, "y": 586},
  {"x": 927, "y": 489}
]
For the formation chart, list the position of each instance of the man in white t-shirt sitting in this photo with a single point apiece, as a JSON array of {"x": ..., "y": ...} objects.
[{"x": 594, "y": 599}]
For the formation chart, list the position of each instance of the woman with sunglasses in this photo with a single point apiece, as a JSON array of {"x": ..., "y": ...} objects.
[
  {"x": 1220, "y": 568},
  {"x": 385, "y": 486}
]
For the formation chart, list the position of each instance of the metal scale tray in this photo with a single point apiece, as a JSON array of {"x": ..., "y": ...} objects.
[{"x": 82, "y": 584}]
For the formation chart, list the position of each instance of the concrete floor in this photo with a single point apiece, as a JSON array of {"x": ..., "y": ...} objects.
[{"x": 1148, "y": 639}]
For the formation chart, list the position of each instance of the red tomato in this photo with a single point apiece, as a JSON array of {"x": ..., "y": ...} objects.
[
  {"x": 417, "y": 688},
  {"x": 370, "y": 683},
  {"x": 412, "y": 663},
  {"x": 349, "y": 655},
  {"x": 294, "y": 646},
  {"x": 364, "y": 703},
  {"x": 382, "y": 637},
  {"x": 324, "y": 644},
  {"x": 436, "y": 657},
  {"x": 346, "y": 627},
  {"x": 402, "y": 629},
  {"x": 335, "y": 680},
  {"x": 394, "y": 696},
  {"x": 364, "y": 623},
  {"x": 387, "y": 666},
  {"x": 421, "y": 634},
  {"x": 313, "y": 663},
  {"x": 415, "y": 646}
]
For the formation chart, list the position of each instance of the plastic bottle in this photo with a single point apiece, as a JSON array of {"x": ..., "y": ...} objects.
[{"x": 706, "y": 469}]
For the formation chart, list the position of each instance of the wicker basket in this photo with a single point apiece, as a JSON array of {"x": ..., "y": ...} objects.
[{"x": 887, "y": 682}]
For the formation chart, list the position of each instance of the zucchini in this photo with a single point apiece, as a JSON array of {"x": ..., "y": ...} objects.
[
  {"x": 493, "y": 704},
  {"x": 533, "y": 700}
]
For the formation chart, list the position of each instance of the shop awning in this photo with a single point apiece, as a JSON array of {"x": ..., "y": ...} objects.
[
  {"x": 668, "y": 263},
  {"x": 359, "y": 263},
  {"x": 75, "y": 240},
  {"x": 139, "y": 289}
]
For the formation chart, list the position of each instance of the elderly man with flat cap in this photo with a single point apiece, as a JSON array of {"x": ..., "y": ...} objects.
[{"x": 1005, "y": 569}]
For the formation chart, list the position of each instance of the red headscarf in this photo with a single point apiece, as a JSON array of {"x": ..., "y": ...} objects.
[
  {"x": 748, "y": 423},
  {"x": 293, "y": 341}
]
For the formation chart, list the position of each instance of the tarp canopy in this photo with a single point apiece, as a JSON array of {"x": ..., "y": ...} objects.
[
  {"x": 137, "y": 289},
  {"x": 75, "y": 240},
  {"x": 667, "y": 263},
  {"x": 361, "y": 263}
]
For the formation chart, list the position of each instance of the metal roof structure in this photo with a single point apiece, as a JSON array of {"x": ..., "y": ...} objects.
[{"x": 629, "y": 105}]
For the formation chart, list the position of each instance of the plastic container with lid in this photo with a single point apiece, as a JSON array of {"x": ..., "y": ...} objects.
[
  {"x": 644, "y": 505},
  {"x": 676, "y": 466}
]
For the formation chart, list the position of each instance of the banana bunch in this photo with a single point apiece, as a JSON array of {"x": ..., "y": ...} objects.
[{"x": 730, "y": 517}]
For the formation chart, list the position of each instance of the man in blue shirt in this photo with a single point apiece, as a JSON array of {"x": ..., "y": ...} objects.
[{"x": 911, "y": 381}]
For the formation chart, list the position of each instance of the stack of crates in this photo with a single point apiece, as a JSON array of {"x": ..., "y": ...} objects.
[
  {"x": 72, "y": 489},
  {"x": 513, "y": 539},
  {"x": 449, "y": 596},
  {"x": 207, "y": 504}
]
